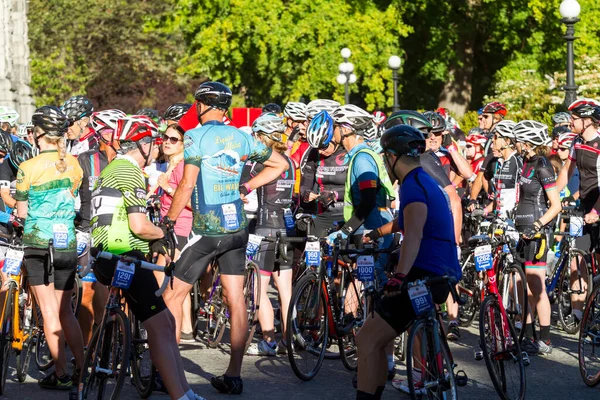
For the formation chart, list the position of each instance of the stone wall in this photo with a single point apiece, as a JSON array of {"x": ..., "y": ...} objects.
[{"x": 14, "y": 58}]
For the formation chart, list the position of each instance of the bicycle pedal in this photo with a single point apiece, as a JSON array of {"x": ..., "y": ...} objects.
[
  {"x": 478, "y": 355},
  {"x": 526, "y": 360},
  {"x": 461, "y": 378}
]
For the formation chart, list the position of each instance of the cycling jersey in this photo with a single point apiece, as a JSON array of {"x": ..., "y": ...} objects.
[
  {"x": 536, "y": 178},
  {"x": 476, "y": 164},
  {"x": 505, "y": 181},
  {"x": 79, "y": 146},
  {"x": 92, "y": 163},
  {"x": 448, "y": 164},
  {"x": 437, "y": 253},
  {"x": 220, "y": 152},
  {"x": 183, "y": 226},
  {"x": 433, "y": 166},
  {"x": 8, "y": 180},
  {"x": 299, "y": 150},
  {"x": 586, "y": 155},
  {"x": 51, "y": 200},
  {"x": 120, "y": 191}
]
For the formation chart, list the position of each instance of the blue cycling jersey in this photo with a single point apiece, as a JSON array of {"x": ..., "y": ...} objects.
[
  {"x": 220, "y": 151},
  {"x": 437, "y": 253}
]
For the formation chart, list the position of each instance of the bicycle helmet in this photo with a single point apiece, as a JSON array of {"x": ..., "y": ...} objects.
[
  {"x": 215, "y": 95},
  {"x": 20, "y": 152},
  {"x": 320, "y": 131},
  {"x": 106, "y": 119},
  {"x": 77, "y": 107},
  {"x": 316, "y": 106},
  {"x": 476, "y": 138},
  {"x": 505, "y": 129},
  {"x": 586, "y": 108},
  {"x": 176, "y": 111},
  {"x": 438, "y": 123},
  {"x": 409, "y": 117},
  {"x": 559, "y": 130},
  {"x": 134, "y": 128},
  {"x": 24, "y": 129},
  {"x": 6, "y": 142},
  {"x": 495, "y": 108},
  {"x": 272, "y": 108},
  {"x": 561, "y": 118},
  {"x": 372, "y": 133},
  {"x": 403, "y": 140},
  {"x": 532, "y": 132},
  {"x": 379, "y": 117},
  {"x": 8, "y": 115},
  {"x": 267, "y": 124},
  {"x": 475, "y": 131},
  {"x": 295, "y": 111},
  {"x": 353, "y": 117},
  {"x": 566, "y": 139},
  {"x": 51, "y": 120}
]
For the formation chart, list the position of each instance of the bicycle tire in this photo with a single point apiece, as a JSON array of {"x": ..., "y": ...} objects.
[
  {"x": 589, "y": 332},
  {"x": 112, "y": 339},
  {"x": 400, "y": 346},
  {"x": 468, "y": 311},
  {"x": 516, "y": 311},
  {"x": 6, "y": 337},
  {"x": 299, "y": 340},
  {"x": 347, "y": 342},
  {"x": 212, "y": 322},
  {"x": 77, "y": 295},
  {"x": 564, "y": 289},
  {"x": 437, "y": 384},
  {"x": 252, "y": 282},
  {"x": 196, "y": 297},
  {"x": 496, "y": 362},
  {"x": 28, "y": 325},
  {"x": 143, "y": 371}
]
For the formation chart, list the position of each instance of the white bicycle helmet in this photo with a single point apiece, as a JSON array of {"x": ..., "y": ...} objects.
[
  {"x": 23, "y": 128},
  {"x": 372, "y": 133},
  {"x": 532, "y": 132},
  {"x": 566, "y": 139},
  {"x": 130, "y": 127},
  {"x": 505, "y": 128},
  {"x": 267, "y": 124},
  {"x": 315, "y": 106},
  {"x": 106, "y": 119},
  {"x": 8, "y": 115},
  {"x": 354, "y": 117},
  {"x": 320, "y": 131},
  {"x": 295, "y": 111}
]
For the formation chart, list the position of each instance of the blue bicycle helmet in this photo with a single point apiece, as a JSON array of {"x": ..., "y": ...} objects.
[{"x": 320, "y": 131}]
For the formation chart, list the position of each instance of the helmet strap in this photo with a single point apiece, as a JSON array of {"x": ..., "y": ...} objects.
[{"x": 145, "y": 155}]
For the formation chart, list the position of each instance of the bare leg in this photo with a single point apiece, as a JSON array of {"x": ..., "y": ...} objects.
[
  {"x": 233, "y": 294},
  {"x": 283, "y": 280},
  {"x": 70, "y": 327},
  {"x": 266, "y": 317},
  {"x": 174, "y": 299}
]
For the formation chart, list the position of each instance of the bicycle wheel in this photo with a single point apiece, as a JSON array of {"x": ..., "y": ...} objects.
[
  {"x": 468, "y": 311},
  {"x": 352, "y": 319},
  {"x": 6, "y": 338},
  {"x": 589, "y": 340},
  {"x": 107, "y": 358},
  {"x": 76, "y": 295},
  {"x": 434, "y": 379},
  {"x": 142, "y": 369},
  {"x": 513, "y": 289},
  {"x": 566, "y": 290},
  {"x": 400, "y": 346},
  {"x": 29, "y": 331},
  {"x": 43, "y": 358},
  {"x": 251, "y": 298},
  {"x": 501, "y": 350},
  {"x": 308, "y": 328},
  {"x": 196, "y": 297},
  {"x": 212, "y": 318}
]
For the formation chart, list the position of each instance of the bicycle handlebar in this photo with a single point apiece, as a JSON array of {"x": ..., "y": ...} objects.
[{"x": 451, "y": 282}]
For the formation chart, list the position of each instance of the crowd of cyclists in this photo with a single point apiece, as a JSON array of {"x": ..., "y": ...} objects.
[{"x": 77, "y": 177}]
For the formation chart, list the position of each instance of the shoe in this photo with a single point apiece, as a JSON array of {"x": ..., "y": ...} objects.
[
  {"x": 75, "y": 377},
  {"x": 187, "y": 337},
  {"x": 225, "y": 384},
  {"x": 159, "y": 384},
  {"x": 572, "y": 321},
  {"x": 54, "y": 382},
  {"x": 453, "y": 331},
  {"x": 529, "y": 346},
  {"x": 281, "y": 347},
  {"x": 402, "y": 384},
  {"x": 391, "y": 374},
  {"x": 262, "y": 348},
  {"x": 544, "y": 348},
  {"x": 198, "y": 397}
]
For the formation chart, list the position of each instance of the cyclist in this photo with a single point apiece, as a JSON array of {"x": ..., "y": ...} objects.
[
  {"x": 150, "y": 113},
  {"x": 556, "y": 132},
  {"x": 474, "y": 151},
  {"x": 80, "y": 137},
  {"x": 120, "y": 226},
  {"x": 25, "y": 132},
  {"x": 295, "y": 130},
  {"x": 537, "y": 190},
  {"x": 428, "y": 249},
  {"x": 585, "y": 114},
  {"x": 18, "y": 152},
  {"x": 8, "y": 119},
  {"x": 47, "y": 186},
  {"x": 561, "y": 119},
  {"x": 214, "y": 155},
  {"x": 565, "y": 141},
  {"x": 274, "y": 202},
  {"x": 271, "y": 108},
  {"x": 491, "y": 114},
  {"x": 174, "y": 113}
]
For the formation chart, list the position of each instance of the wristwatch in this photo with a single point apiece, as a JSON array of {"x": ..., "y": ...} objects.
[{"x": 170, "y": 190}]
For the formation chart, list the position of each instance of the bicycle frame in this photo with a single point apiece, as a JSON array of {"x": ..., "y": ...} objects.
[{"x": 18, "y": 334}]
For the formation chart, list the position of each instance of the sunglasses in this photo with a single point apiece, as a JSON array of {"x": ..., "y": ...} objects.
[
  {"x": 469, "y": 146},
  {"x": 171, "y": 139},
  {"x": 563, "y": 148}
]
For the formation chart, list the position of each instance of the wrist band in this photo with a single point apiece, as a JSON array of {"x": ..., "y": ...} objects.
[{"x": 247, "y": 187}]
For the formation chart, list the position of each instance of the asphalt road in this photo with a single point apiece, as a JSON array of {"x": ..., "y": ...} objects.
[{"x": 551, "y": 377}]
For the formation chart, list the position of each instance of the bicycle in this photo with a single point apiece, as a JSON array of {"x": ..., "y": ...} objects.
[
  {"x": 589, "y": 338},
  {"x": 107, "y": 358}
]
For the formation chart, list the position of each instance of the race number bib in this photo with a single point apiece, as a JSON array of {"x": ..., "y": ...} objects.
[
  {"x": 13, "y": 261},
  {"x": 312, "y": 254},
  {"x": 420, "y": 298},
  {"x": 123, "y": 275},
  {"x": 365, "y": 267},
  {"x": 507, "y": 201},
  {"x": 61, "y": 236},
  {"x": 230, "y": 218},
  {"x": 483, "y": 257},
  {"x": 253, "y": 245}
]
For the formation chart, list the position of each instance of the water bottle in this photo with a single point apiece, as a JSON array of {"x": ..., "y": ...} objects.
[{"x": 28, "y": 314}]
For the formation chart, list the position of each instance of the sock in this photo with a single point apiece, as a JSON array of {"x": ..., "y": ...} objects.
[
  {"x": 379, "y": 392},
  {"x": 390, "y": 359},
  {"x": 190, "y": 394},
  {"x": 529, "y": 330},
  {"x": 545, "y": 334},
  {"x": 578, "y": 314},
  {"x": 453, "y": 322},
  {"x": 271, "y": 344},
  {"x": 360, "y": 395}
]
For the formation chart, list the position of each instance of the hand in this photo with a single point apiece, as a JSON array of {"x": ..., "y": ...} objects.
[
  {"x": 244, "y": 199},
  {"x": 327, "y": 198},
  {"x": 591, "y": 217},
  {"x": 310, "y": 196},
  {"x": 472, "y": 205},
  {"x": 530, "y": 232},
  {"x": 372, "y": 236},
  {"x": 333, "y": 237},
  {"x": 488, "y": 209},
  {"x": 393, "y": 287},
  {"x": 163, "y": 182}
]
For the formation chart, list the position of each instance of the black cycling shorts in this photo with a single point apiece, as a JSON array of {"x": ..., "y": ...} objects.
[
  {"x": 528, "y": 250},
  {"x": 229, "y": 251},
  {"x": 398, "y": 311},
  {"x": 140, "y": 296},
  {"x": 265, "y": 258},
  {"x": 181, "y": 242},
  {"x": 37, "y": 264}
]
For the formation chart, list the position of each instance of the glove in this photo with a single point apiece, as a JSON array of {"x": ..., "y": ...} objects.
[
  {"x": 530, "y": 232},
  {"x": 393, "y": 287},
  {"x": 161, "y": 246},
  {"x": 327, "y": 198},
  {"x": 294, "y": 134},
  {"x": 334, "y": 236},
  {"x": 374, "y": 235}
]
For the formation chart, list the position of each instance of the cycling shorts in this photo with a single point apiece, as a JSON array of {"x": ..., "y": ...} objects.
[
  {"x": 37, "y": 264},
  {"x": 398, "y": 312},
  {"x": 140, "y": 296},
  {"x": 265, "y": 258},
  {"x": 528, "y": 250},
  {"x": 591, "y": 233},
  {"x": 181, "y": 242},
  {"x": 229, "y": 251}
]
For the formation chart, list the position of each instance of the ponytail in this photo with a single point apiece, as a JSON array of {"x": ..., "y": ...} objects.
[{"x": 61, "y": 164}]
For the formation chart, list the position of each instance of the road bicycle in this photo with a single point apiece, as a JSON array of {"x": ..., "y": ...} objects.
[{"x": 589, "y": 338}]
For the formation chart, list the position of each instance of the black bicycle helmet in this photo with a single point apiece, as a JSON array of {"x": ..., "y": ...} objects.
[
  {"x": 559, "y": 130},
  {"x": 411, "y": 118},
  {"x": 403, "y": 140},
  {"x": 6, "y": 142},
  {"x": 77, "y": 107},
  {"x": 51, "y": 120},
  {"x": 214, "y": 94},
  {"x": 149, "y": 112},
  {"x": 20, "y": 152},
  {"x": 438, "y": 123},
  {"x": 586, "y": 108},
  {"x": 176, "y": 111},
  {"x": 272, "y": 108}
]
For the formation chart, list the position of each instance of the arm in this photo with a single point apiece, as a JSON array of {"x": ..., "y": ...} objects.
[
  {"x": 415, "y": 215},
  {"x": 477, "y": 185},
  {"x": 7, "y": 198},
  {"x": 456, "y": 208},
  {"x": 143, "y": 228},
  {"x": 462, "y": 165},
  {"x": 307, "y": 179},
  {"x": 85, "y": 194},
  {"x": 184, "y": 191},
  {"x": 555, "y": 206},
  {"x": 364, "y": 178},
  {"x": 22, "y": 209},
  {"x": 273, "y": 167},
  {"x": 565, "y": 174}
]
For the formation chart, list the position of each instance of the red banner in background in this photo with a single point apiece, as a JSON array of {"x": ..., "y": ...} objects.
[{"x": 244, "y": 116}]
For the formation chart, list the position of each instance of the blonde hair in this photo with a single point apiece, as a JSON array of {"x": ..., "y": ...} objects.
[
  {"x": 59, "y": 141},
  {"x": 278, "y": 146}
]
